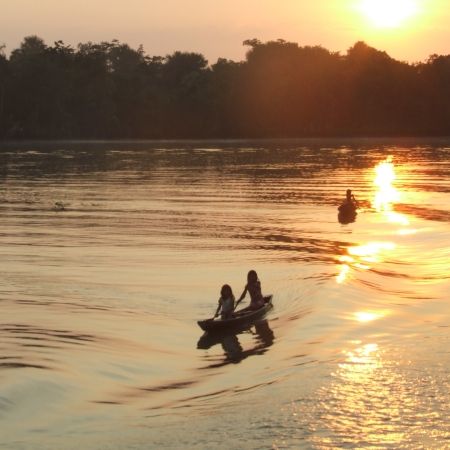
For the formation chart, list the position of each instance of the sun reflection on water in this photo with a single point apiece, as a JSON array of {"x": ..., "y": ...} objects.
[
  {"x": 407, "y": 231},
  {"x": 375, "y": 400},
  {"x": 363, "y": 397},
  {"x": 368, "y": 316},
  {"x": 362, "y": 257},
  {"x": 363, "y": 355},
  {"x": 384, "y": 179},
  {"x": 386, "y": 195}
]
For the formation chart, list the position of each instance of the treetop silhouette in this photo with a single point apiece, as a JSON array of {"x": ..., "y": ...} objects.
[{"x": 109, "y": 90}]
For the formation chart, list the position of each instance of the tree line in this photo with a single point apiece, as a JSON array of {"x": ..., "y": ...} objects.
[{"x": 109, "y": 90}]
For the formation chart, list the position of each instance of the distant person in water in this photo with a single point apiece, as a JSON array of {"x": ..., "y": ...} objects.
[
  {"x": 226, "y": 303},
  {"x": 253, "y": 287},
  {"x": 350, "y": 198}
]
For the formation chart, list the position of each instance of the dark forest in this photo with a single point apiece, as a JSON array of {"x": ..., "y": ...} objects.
[{"x": 108, "y": 90}]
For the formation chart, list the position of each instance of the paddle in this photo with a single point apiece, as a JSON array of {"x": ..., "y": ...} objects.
[
  {"x": 237, "y": 303},
  {"x": 238, "y": 313},
  {"x": 241, "y": 298}
]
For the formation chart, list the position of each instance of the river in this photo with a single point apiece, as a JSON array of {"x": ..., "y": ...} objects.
[{"x": 111, "y": 252}]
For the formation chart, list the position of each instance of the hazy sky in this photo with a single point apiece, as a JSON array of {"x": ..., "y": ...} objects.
[{"x": 218, "y": 27}]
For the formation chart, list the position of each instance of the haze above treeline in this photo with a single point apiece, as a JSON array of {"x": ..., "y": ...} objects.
[{"x": 109, "y": 90}]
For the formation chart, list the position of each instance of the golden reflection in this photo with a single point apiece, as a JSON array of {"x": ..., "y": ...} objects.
[
  {"x": 363, "y": 395},
  {"x": 372, "y": 402},
  {"x": 384, "y": 179},
  {"x": 369, "y": 252},
  {"x": 387, "y": 194},
  {"x": 407, "y": 231},
  {"x": 341, "y": 277},
  {"x": 395, "y": 217},
  {"x": 362, "y": 257},
  {"x": 362, "y": 355},
  {"x": 368, "y": 316}
]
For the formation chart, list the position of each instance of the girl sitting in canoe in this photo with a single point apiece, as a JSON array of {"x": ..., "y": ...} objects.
[
  {"x": 253, "y": 287},
  {"x": 226, "y": 303}
]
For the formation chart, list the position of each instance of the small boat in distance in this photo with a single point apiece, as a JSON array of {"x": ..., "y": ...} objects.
[
  {"x": 347, "y": 213},
  {"x": 239, "y": 319},
  {"x": 349, "y": 205},
  {"x": 348, "y": 208}
]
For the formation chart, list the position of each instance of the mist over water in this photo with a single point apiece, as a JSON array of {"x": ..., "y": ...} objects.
[{"x": 110, "y": 253}]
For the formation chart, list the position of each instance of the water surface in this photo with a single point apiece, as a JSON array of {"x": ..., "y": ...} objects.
[{"x": 110, "y": 253}]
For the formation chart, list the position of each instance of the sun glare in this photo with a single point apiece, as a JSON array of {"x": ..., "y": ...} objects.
[
  {"x": 384, "y": 181},
  {"x": 362, "y": 257},
  {"x": 389, "y": 13},
  {"x": 368, "y": 316}
]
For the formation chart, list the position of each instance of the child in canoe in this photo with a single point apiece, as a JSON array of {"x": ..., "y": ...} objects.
[
  {"x": 350, "y": 198},
  {"x": 226, "y": 303},
  {"x": 253, "y": 287}
]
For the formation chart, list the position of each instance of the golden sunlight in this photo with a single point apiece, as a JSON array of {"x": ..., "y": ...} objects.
[
  {"x": 362, "y": 355},
  {"x": 362, "y": 257},
  {"x": 387, "y": 193},
  {"x": 384, "y": 178},
  {"x": 370, "y": 251},
  {"x": 362, "y": 388},
  {"x": 364, "y": 316},
  {"x": 368, "y": 316},
  {"x": 389, "y": 13}
]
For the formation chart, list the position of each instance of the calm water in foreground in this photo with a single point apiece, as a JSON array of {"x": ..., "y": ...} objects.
[{"x": 110, "y": 253}]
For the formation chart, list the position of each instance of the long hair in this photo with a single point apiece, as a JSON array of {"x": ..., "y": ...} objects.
[
  {"x": 252, "y": 277},
  {"x": 226, "y": 291}
]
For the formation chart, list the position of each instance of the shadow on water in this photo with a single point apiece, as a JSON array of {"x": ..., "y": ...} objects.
[
  {"x": 234, "y": 353},
  {"x": 262, "y": 337}
]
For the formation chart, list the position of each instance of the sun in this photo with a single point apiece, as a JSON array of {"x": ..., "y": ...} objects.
[{"x": 389, "y": 13}]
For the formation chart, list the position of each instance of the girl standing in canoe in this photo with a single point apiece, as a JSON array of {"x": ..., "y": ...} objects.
[
  {"x": 253, "y": 287},
  {"x": 226, "y": 303}
]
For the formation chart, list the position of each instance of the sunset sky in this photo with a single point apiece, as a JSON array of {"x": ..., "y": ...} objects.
[{"x": 409, "y": 30}]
